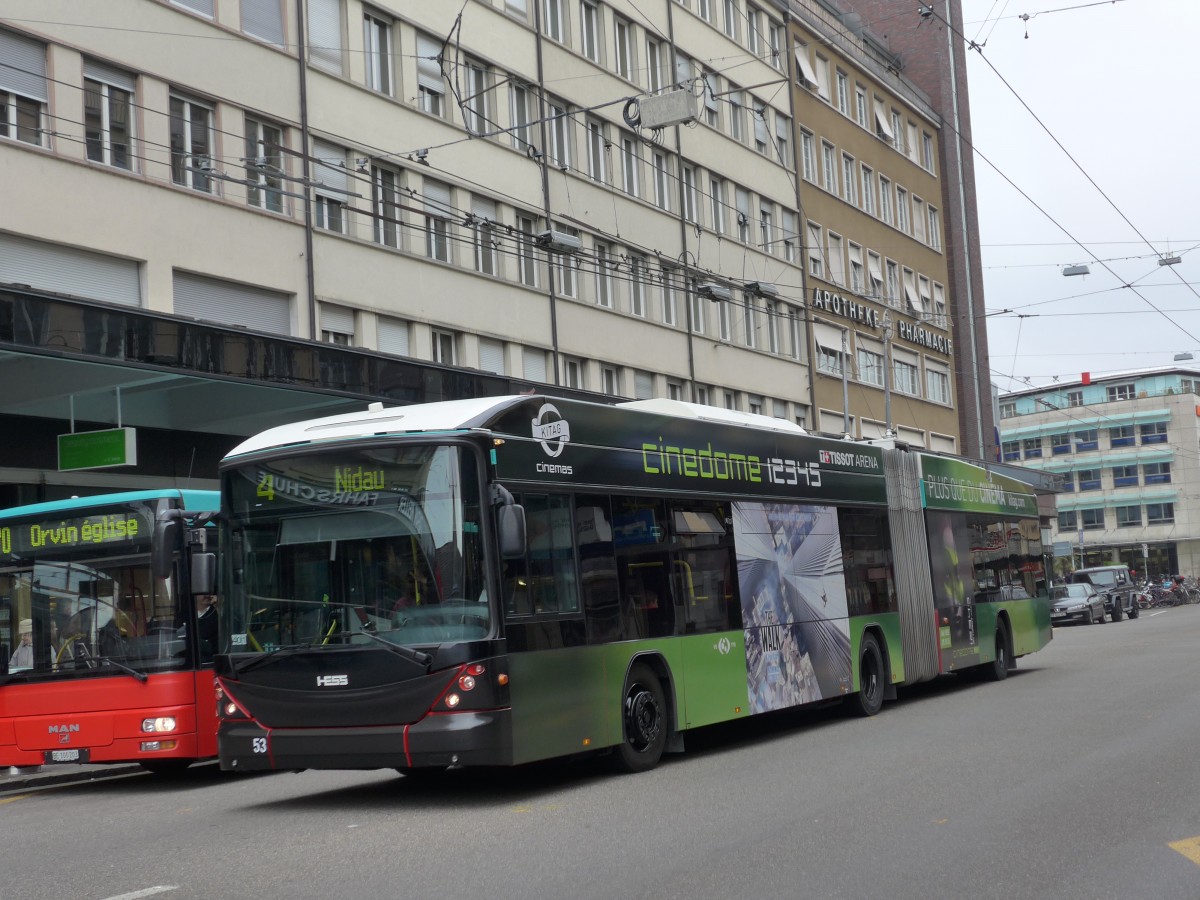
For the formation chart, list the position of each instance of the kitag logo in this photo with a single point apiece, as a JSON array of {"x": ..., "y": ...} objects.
[{"x": 551, "y": 430}]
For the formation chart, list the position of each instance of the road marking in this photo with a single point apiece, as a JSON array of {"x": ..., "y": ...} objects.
[
  {"x": 1189, "y": 848},
  {"x": 145, "y": 892},
  {"x": 4, "y": 800}
]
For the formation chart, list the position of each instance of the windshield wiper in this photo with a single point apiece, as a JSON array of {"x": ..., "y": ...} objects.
[
  {"x": 237, "y": 670},
  {"x": 129, "y": 670},
  {"x": 416, "y": 656}
]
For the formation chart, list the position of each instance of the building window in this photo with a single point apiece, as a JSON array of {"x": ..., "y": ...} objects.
[
  {"x": 716, "y": 194},
  {"x": 1120, "y": 392},
  {"x": 835, "y": 259},
  {"x": 483, "y": 219},
  {"x": 927, "y": 151},
  {"x": 476, "y": 114},
  {"x": 23, "y": 88},
  {"x": 935, "y": 228},
  {"x": 604, "y": 286},
  {"x": 560, "y": 134},
  {"x": 445, "y": 347},
  {"x": 893, "y": 282},
  {"x": 597, "y": 151},
  {"x": 906, "y": 380},
  {"x": 631, "y": 166},
  {"x": 731, "y": 23},
  {"x": 1031, "y": 448},
  {"x": 783, "y": 140},
  {"x": 610, "y": 380},
  {"x": 870, "y": 366},
  {"x": 1121, "y": 436},
  {"x": 724, "y": 322},
  {"x": 1087, "y": 439},
  {"x": 589, "y": 30},
  {"x": 691, "y": 211},
  {"x": 902, "y": 210},
  {"x": 1129, "y": 516},
  {"x": 553, "y": 20},
  {"x": 654, "y": 65},
  {"x": 385, "y": 199},
  {"x": 1060, "y": 444},
  {"x": 264, "y": 165},
  {"x": 849, "y": 180},
  {"x": 1160, "y": 513},
  {"x": 637, "y": 285},
  {"x": 431, "y": 87},
  {"x": 1008, "y": 409},
  {"x": 377, "y": 41},
  {"x": 329, "y": 213},
  {"x": 766, "y": 229},
  {"x": 1089, "y": 479},
  {"x": 885, "y": 200},
  {"x": 437, "y": 220},
  {"x": 1154, "y": 433},
  {"x": 789, "y": 235},
  {"x": 816, "y": 257},
  {"x": 712, "y": 112},
  {"x": 860, "y": 104},
  {"x": 1074, "y": 398},
  {"x": 829, "y": 360},
  {"x": 573, "y": 370},
  {"x": 1091, "y": 519},
  {"x": 698, "y": 304},
  {"x": 1124, "y": 476},
  {"x": 750, "y": 323},
  {"x": 191, "y": 144},
  {"x": 108, "y": 124},
  {"x": 1066, "y": 520},
  {"x": 808, "y": 157},
  {"x": 856, "y": 268},
  {"x": 737, "y": 129},
  {"x": 565, "y": 266},
  {"x": 773, "y": 313},
  {"x": 1010, "y": 451},
  {"x": 662, "y": 181},
  {"x": 829, "y": 167},
  {"x": 668, "y": 297},
  {"x": 522, "y": 110},
  {"x": 526, "y": 254},
  {"x": 626, "y": 60},
  {"x": 1155, "y": 473},
  {"x": 843, "y": 100},
  {"x": 937, "y": 385},
  {"x": 868, "y": 191}
]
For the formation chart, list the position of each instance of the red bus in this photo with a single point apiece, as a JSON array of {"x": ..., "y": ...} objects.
[{"x": 107, "y": 631}]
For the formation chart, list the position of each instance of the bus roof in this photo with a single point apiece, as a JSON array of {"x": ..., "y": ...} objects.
[
  {"x": 197, "y": 500},
  {"x": 479, "y": 412}
]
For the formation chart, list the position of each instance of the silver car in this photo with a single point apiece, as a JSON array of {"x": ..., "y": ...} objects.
[{"x": 1075, "y": 603}]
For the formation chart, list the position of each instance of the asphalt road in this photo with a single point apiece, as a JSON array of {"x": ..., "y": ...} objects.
[{"x": 1074, "y": 778}]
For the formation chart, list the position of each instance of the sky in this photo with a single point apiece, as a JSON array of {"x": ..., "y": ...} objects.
[{"x": 1115, "y": 84}]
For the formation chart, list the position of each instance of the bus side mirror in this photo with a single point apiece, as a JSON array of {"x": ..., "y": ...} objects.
[
  {"x": 204, "y": 573},
  {"x": 162, "y": 551},
  {"x": 510, "y": 522}
]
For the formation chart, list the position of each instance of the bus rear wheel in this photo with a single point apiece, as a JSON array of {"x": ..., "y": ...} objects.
[
  {"x": 871, "y": 680},
  {"x": 997, "y": 669},
  {"x": 644, "y": 721}
]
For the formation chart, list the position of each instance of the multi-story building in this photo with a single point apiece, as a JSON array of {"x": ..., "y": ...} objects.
[
  {"x": 220, "y": 215},
  {"x": 1124, "y": 450}
]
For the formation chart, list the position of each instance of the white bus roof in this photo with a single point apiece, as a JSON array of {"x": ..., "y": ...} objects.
[{"x": 447, "y": 415}]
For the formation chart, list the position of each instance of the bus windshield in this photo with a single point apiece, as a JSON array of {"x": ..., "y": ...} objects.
[
  {"x": 86, "y": 599},
  {"x": 355, "y": 546}
]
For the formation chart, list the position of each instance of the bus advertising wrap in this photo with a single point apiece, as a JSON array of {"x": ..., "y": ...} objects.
[
  {"x": 958, "y": 486},
  {"x": 543, "y": 441}
]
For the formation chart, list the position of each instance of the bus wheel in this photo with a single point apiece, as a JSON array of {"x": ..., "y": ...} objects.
[
  {"x": 871, "y": 679},
  {"x": 645, "y": 722},
  {"x": 997, "y": 669}
]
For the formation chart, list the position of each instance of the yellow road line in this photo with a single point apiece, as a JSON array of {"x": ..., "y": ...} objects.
[
  {"x": 1189, "y": 848},
  {"x": 4, "y": 800}
]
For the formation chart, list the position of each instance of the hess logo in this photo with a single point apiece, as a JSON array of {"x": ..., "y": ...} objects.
[{"x": 333, "y": 680}]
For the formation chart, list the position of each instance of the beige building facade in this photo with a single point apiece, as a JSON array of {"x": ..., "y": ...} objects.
[{"x": 693, "y": 199}]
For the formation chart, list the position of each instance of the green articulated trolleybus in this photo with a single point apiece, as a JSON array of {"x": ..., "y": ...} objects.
[{"x": 501, "y": 580}]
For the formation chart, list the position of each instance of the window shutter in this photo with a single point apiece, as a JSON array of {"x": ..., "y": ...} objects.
[
  {"x": 69, "y": 270},
  {"x": 263, "y": 19},
  {"x": 23, "y": 70},
  {"x": 102, "y": 72},
  {"x": 204, "y": 7},
  {"x": 643, "y": 385},
  {"x": 437, "y": 198},
  {"x": 394, "y": 337},
  {"x": 534, "y": 364},
  {"x": 230, "y": 303},
  {"x": 429, "y": 70},
  {"x": 325, "y": 34},
  {"x": 491, "y": 356},
  {"x": 338, "y": 319},
  {"x": 330, "y": 168}
]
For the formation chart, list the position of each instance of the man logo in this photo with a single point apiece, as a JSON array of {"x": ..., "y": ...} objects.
[
  {"x": 551, "y": 430},
  {"x": 333, "y": 680}
]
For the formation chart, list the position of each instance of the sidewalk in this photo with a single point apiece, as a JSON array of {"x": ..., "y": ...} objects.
[{"x": 14, "y": 779}]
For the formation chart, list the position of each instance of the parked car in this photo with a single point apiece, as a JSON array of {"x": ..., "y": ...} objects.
[
  {"x": 1075, "y": 603},
  {"x": 1115, "y": 584}
]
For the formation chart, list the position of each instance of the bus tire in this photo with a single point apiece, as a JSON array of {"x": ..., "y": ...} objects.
[
  {"x": 997, "y": 669},
  {"x": 872, "y": 682},
  {"x": 643, "y": 721}
]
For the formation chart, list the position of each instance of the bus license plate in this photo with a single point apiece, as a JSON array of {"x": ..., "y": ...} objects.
[{"x": 66, "y": 756}]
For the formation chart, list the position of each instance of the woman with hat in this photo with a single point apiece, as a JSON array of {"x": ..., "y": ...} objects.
[{"x": 22, "y": 657}]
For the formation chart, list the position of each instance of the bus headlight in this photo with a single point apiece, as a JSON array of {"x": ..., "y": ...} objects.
[{"x": 159, "y": 725}]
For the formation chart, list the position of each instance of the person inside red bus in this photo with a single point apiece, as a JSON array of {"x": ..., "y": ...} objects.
[{"x": 22, "y": 657}]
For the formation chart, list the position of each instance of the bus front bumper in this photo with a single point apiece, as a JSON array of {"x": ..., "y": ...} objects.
[{"x": 482, "y": 738}]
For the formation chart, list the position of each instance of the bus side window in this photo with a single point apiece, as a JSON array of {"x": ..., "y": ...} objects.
[
  {"x": 640, "y": 534},
  {"x": 544, "y": 583},
  {"x": 598, "y": 568}
]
